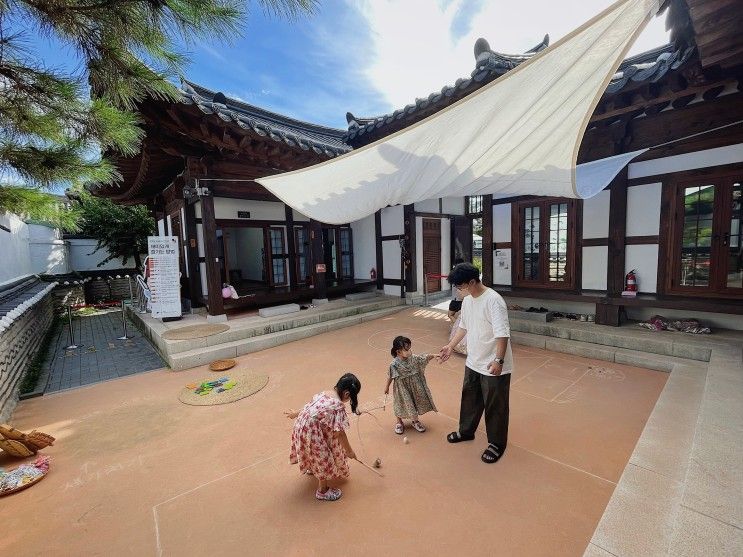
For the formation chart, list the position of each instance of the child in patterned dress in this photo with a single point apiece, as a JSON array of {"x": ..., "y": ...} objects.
[
  {"x": 412, "y": 396},
  {"x": 319, "y": 441}
]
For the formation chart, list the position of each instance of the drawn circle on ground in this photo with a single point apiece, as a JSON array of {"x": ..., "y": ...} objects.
[
  {"x": 195, "y": 331},
  {"x": 246, "y": 384}
]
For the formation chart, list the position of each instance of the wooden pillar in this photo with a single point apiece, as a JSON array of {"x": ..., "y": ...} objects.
[
  {"x": 487, "y": 240},
  {"x": 215, "y": 304},
  {"x": 318, "y": 258},
  {"x": 289, "y": 212},
  {"x": 409, "y": 264},
  {"x": 380, "y": 255},
  {"x": 617, "y": 233},
  {"x": 192, "y": 252}
]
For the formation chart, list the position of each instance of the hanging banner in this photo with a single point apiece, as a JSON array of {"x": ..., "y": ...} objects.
[{"x": 164, "y": 279}]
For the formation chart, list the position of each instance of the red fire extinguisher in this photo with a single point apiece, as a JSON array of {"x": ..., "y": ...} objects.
[
  {"x": 373, "y": 274},
  {"x": 630, "y": 282}
]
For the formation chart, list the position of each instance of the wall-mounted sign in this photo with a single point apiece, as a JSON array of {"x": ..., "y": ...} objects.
[
  {"x": 164, "y": 279},
  {"x": 320, "y": 268},
  {"x": 243, "y": 214}
]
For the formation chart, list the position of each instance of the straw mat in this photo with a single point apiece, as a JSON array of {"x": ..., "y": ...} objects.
[{"x": 247, "y": 383}]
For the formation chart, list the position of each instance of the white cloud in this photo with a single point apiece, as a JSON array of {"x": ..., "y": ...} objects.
[{"x": 418, "y": 46}]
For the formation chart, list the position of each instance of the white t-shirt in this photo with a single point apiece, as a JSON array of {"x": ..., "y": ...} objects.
[{"x": 485, "y": 318}]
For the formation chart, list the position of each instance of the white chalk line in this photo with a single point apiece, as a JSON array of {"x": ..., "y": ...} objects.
[
  {"x": 154, "y": 508},
  {"x": 549, "y": 458}
]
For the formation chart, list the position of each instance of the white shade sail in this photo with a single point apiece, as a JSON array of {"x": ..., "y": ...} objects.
[{"x": 518, "y": 135}]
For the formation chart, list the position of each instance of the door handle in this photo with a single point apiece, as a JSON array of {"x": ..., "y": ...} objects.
[{"x": 726, "y": 239}]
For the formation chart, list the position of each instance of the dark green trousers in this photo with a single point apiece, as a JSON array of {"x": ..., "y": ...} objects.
[{"x": 486, "y": 394}]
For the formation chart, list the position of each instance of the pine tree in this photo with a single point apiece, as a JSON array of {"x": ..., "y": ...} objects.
[{"x": 55, "y": 125}]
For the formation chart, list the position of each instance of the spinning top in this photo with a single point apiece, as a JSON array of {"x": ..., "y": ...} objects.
[
  {"x": 378, "y": 463},
  {"x": 405, "y": 440}
]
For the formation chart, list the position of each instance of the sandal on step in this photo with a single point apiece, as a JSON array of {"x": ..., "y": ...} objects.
[
  {"x": 399, "y": 428},
  {"x": 419, "y": 427},
  {"x": 491, "y": 454},
  {"x": 332, "y": 494},
  {"x": 456, "y": 437}
]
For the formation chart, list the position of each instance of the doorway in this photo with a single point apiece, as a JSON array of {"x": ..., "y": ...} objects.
[{"x": 432, "y": 253}]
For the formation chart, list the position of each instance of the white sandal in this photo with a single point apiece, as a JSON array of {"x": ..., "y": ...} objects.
[
  {"x": 419, "y": 427},
  {"x": 399, "y": 428},
  {"x": 332, "y": 494}
]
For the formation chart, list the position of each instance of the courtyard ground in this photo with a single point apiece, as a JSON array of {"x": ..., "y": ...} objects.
[{"x": 136, "y": 472}]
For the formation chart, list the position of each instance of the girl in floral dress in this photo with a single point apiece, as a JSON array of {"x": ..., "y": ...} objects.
[
  {"x": 319, "y": 441},
  {"x": 412, "y": 397}
]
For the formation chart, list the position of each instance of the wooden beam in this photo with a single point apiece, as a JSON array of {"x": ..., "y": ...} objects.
[
  {"x": 379, "y": 254},
  {"x": 289, "y": 212},
  {"x": 617, "y": 230},
  {"x": 215, "y": 303},
  {"x": 410, "y": 263},
  {"x": 317, "y": 254},
  {"x": 487, "y": 240}
]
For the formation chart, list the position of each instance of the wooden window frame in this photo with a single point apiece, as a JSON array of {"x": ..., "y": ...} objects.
[
  {"x": 672, "y": 232},
  {"x": 572, "y": 282},
  {"x": 270, "y": 256},
  {"x": 307, "y": 254},
  {"x": 339, "y": 252}
]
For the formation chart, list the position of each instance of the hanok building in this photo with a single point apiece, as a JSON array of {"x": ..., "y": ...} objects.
[{"x": 673, "y": 215}]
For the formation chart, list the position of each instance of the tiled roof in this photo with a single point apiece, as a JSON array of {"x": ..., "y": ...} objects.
[
  {"x": 647, "y": 67},
  {"x": 282, "y": 129}
]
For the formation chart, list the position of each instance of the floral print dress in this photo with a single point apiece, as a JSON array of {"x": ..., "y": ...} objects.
[
  {"x": 412, "y": 397},
  {"x": 314, "y": 444}
]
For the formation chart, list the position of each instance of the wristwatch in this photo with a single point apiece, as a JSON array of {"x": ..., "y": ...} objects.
[{"x": 499, "y": 360}]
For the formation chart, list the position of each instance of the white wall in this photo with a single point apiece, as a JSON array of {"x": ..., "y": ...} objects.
[
  {"x": 689, "y": 161},
  {"x": 643, "y": 210},
  {"x": 392, "y": 222},
  {"x": 14, "y": 248},
  {"x": 596, "y": 216},
  {"x": 83, "y": 257},
  {"x": 299, "y": 217},
  {"x": 391, "y": 259},
  {"x": 644, "y": 260},
  {"x": 364, "y": 247},
  {"x": 502, "y": 222},
  {"x": 227, "y": 208},
  {"x": 428, "y": 206},
  {"x": 47, "y": 250},
  {"x": 453, "y": 205},
  {"x": 595, "y": 263}
]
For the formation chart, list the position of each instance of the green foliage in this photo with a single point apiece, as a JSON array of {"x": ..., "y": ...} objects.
[
  {"x": 122, "y": 230},
  {"x": 55, "y": 125},
  {"x": 35, "y": 205}
]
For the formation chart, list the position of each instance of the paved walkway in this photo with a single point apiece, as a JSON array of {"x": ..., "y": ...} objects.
[{"x": 102, "y": 356}]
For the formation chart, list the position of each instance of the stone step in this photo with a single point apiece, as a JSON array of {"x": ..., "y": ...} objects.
[
  {"x": 626, "y": 356},
  {"x": 201, "y": 356},
  {"x": 627, "y": 337},
  {"x": 265, "y": 326}
]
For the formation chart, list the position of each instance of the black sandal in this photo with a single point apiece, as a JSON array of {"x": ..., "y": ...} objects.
[
  {"x": 491, "y": 454},
  {"x": 456, "y": 437}
]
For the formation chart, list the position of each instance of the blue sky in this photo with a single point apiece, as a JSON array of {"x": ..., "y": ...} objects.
[{"x": 369, "y": 56}]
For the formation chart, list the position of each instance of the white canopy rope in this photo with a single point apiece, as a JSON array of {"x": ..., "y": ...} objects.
[{"x": 518, "y": 135}]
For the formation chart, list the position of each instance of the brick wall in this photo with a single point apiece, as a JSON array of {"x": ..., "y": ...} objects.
[{"x": 18, "y": 346}]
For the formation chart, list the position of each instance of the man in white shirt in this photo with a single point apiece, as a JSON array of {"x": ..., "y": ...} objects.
[{"x": 487, "y": 371}]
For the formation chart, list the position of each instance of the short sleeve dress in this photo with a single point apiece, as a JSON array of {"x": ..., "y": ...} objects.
[
  {"x": 412, "y": 397},
  {"x": 314, "y": 445}
]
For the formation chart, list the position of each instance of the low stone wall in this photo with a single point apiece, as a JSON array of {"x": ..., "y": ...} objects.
[
  {"x": 18, "y": 346},
  {"x": 105, "y": 290}
]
